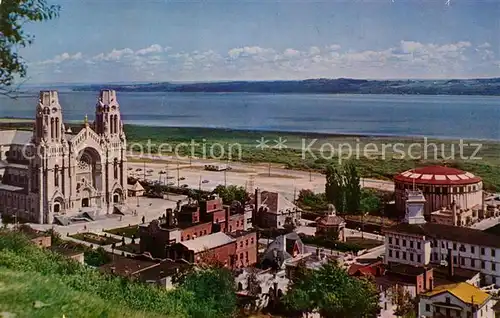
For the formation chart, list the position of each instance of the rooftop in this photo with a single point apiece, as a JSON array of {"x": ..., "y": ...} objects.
[
  {"x": 15, "y": 137},
  {"x": 126, "y": 266},
  {"x": 164, "y": 269},
  {"x": 66, "y": 251},
  {"x": 439, "y": 175},
  {"x": 275, "y": 202},
  {"x": 463, "y": 291},
  {"x": 207, "y": 242},
  {"x": 240, "y": 233},
  {"x": 448, "y": 232}
]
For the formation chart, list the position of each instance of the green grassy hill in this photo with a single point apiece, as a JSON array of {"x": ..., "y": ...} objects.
[{"x": 38, "y": 283}]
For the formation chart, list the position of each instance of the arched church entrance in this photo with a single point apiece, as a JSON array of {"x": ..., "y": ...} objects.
[
  {"x": 58, "y": 205},
  {"x": 89, "y": 167},
  {"x": 117, "y": 196}
]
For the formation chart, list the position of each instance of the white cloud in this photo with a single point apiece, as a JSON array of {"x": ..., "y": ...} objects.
[
  {"x": 155, "y": 48},
  {"x": 62, "y": 57},
  {"x": 405, "y": 59}
]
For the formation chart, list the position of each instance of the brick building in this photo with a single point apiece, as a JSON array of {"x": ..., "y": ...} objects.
[
  {"x": 246, "y": 248},
  {"x": 193, "y": 221}
]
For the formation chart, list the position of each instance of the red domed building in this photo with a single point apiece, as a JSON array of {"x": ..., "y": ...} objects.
[{"x": 440, "y": 186}]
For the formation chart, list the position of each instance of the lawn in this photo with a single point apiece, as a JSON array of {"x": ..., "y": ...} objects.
[
  {"x": 364, "y": 243},
  {"x": 129, "y": 248},
  {"x": 95, "y": 239},
  {"x": 127, "y": 231},
  {"x": 375, "y": 157}
]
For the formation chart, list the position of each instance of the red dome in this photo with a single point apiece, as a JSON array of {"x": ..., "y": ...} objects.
[{"x": 437, "y": 175}]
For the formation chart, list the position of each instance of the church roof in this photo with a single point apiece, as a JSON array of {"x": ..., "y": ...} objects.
[
  {"x": 136, "y": 187},
  {"x": 15, "y": 137}
]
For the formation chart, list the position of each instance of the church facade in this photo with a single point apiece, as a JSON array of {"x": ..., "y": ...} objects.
[{"x": 51, "y": 173}]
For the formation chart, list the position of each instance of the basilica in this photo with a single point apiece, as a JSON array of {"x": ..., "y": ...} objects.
[{"x": 53, "y": 174}]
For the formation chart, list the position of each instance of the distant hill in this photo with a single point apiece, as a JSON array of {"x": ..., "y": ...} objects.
[{"x": 489, "y": 86}]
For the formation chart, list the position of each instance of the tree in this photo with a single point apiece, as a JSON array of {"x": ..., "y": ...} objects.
[
  {"x": 343, "y": 188},
  {"x": 213, "y": 290},
  {"x": 369, "y": 202},
  {"x": 97, "y": 257},
  {"x": 330, "y": 291},
  {"x": 334, "y": 188},
  {"x": 289, "y": 226},
  {"x": 14, "y": 14},
  {"x": 403, "y": 301},
  {"x": 352, "y": 187},
  {"x": 231, "y": 193}
]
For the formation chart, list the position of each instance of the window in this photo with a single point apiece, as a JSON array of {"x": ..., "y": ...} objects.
[
  {"x": 493, "y": 252},
  {"x": 448, "y": 300},
  {"x": 472, "y": 263},
  {"x": 411, "y": 244},
  {"x": 462, "y": 261},
  {"x": 397, "y": 254},
  {"x": 390, "y": 253},
  {"x": 454, "y": 246},
  {"x": 411, "y": 257},
  {"x": 435, "y": 256},
  {"x": 246, "y": 255},
  {"x": 427, "y": 307},
  {"x": 493, "y": 267},
  {"x": 241, "y": 244},
  {"x": 482, "y": 250},
  {"x": 241, "y": 256},
  {"x": 454, "y": 259},
  {"x": 390, "y": 240},
  {"x": 397, "y": 241},
  {"x": 404, "y": 242},
  {"x": 404, "y": 255},
  {"x": 472, "y": 249},
  {"x": 187, "y": 237},
  {"x": 418, "y": 245},
  {"x": 419, "y": 258},
  {"x": 246, "y": 243},
  {"x": 442, "y": 244},
  {"x": 482, "y": 264}
]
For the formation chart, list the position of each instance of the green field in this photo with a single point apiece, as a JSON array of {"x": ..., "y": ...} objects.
[{"x": 376, "y": 157}]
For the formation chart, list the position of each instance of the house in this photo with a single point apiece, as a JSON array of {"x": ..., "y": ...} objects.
[
  {"x": 331, "y": 224},
  {"x": 218, "y": 247},
  {"x": 272, "y": 209},
  {"x": 163, "y": 274},
  {"x": 135, "y": 190},
  {"x": 284, "y": 247},
  {"x": 418, "y": 243},
  {"x": 70, "y": 253},
  {"x": 456, "y": 300},
  {"x": 38, "y": 238}
]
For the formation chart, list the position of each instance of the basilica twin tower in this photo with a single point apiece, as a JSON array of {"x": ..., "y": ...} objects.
[{"x": 58, "y": 174}]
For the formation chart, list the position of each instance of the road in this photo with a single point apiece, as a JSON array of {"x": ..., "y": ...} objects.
[{"x": 267, "y": 177}]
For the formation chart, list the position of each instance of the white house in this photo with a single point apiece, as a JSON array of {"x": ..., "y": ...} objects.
[
  {"x": 456, "y": 300},
  {"x": 418, "y": 243}
]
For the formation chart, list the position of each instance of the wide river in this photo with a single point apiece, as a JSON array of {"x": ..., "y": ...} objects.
[{"x": 474, "y": 117}]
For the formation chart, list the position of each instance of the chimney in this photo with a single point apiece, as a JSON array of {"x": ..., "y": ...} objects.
[
  {"x": 451, "y": 265},
  {"x": 257, "y": 199},
  {"x": 170, "y": 218},
  {"x": 226, "y": 210},
  {"x": 454, "y": 212}
]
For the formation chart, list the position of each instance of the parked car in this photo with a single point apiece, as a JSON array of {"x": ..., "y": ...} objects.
[
  {"x": 185, "y": 186},
  {"x": 205, "y": 181},
  {"x": 182, "y": 178}
]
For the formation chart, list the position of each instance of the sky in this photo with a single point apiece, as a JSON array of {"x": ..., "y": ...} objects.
[{"x": 99, "y": 41}]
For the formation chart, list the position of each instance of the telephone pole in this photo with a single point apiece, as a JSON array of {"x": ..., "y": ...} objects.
[
  {"x": 269, "y": 169},
  {"x": 166, "y": 168},
  {"x": 144, "y": 170},
  {"x": 178, "y": 177}
]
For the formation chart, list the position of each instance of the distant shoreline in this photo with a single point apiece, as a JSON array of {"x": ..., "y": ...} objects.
[{"x": 482, "y": 87}]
